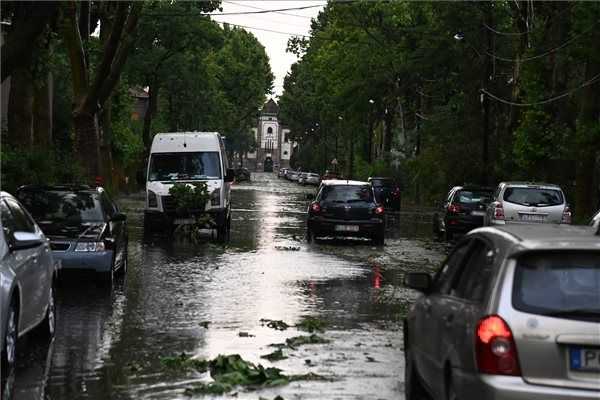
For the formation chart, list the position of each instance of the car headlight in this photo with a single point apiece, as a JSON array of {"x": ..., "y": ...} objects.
[
  {"x": 215, "y": 197},
  {"x": 90, "y": 246},
  {"x": 152, "y": 200}
]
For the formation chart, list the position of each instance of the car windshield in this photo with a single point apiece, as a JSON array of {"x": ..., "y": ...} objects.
[
  {"x": 535, "y": 197},
  {"x": 66, "y": 207},
  {"x": 184, "y": 166},
  {"x": 473, "y": 196},
  {"x": 347, "y": 193},
  {"x": 563, "y": 284}
]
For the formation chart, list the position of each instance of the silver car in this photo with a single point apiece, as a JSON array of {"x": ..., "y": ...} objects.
[
  {"x": 27, "y": 275},
  {"x": 312, "y": 179},
  {"x": 513, "y": 314},
  {"x": 595, "y": 222},
  {"x": 520, "y": 202}
]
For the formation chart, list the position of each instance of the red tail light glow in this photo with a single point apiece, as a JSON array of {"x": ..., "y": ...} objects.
[
  {"x": 567, "y": 216},
  {"x": 315, "y": 207},
  {"x": 498, "y": 211},
  {"x": 379, "y": 210},
  {"x": 454, "y": 208},
  {"x": 495, "y": 348}
]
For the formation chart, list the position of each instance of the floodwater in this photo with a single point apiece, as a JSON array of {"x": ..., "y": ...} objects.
[{"x": 109, "y": 343}]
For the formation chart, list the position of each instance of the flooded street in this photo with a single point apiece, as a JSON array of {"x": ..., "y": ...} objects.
[{"x": 208, "y": 299}]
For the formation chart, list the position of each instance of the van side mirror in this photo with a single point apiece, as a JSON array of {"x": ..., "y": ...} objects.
[
  {"x": 420, "y": 281},
  {"x": 26, "y": 240},
  {"x": 230, "y": 175}
]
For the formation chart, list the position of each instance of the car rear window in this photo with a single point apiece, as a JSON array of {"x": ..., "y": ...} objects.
[
  {"x": 472, "y": 197},
  {"x": 347, "y": 193},
  {"x": 533, "y": 197},
  {"x": 54, "y": 206},
  {"x": 562, "y": 284}
]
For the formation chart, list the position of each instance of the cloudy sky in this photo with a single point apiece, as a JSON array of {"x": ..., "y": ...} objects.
[{"x": 273, "y": 29}]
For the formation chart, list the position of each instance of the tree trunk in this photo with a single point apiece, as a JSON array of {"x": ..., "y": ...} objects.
[
  {"x": 20, "y": 109},
  {"x": 150, "y": 112},
  {"x": 43, "y": 112},
  {"x": 106, "y": 159},
  {"x": 387, "y": 136},
  {"x": 87, "y": 143}
]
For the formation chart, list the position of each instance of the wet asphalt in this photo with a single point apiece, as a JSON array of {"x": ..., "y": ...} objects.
[{"x": 196, "y": 298}]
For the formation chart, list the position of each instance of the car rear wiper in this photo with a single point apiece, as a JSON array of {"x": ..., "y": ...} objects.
[{"x": 575, "y": 312}]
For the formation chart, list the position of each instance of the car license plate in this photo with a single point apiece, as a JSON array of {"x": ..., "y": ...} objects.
[
  {"x": 346, "y": 228},
  {"x": 584, "y": 359},
  {"x": 478, "y": 213},
  {"x": 532, "y": 217},
  {"x": 184, "y": 221}
]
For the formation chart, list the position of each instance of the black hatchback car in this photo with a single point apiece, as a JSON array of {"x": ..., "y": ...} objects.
[
  {"x": 86, "y": 229},
  {"x": 387, "y": 192},
  {"x": 461, "y": 211},
  {"x": 346, "y": 208}
]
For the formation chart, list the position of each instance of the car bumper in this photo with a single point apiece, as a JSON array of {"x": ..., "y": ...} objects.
[
  {"x": 495, "y": 387},
  {"x": 158, "y": 218},
  {"x": 463, "y": 223},
  {"x": 101, "y": 261},
  {"x": 321, "y": 227}
]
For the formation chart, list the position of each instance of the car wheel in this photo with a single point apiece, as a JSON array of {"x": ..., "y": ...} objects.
[
  {"x": 413, "y": 389},
  {"x": 49, "y": 323},
  {"x": 450, "y": 391},
  {"x": 448, "y": 235},
  {"x": 9, "y": 351},
  {"x": 310, "y": 236},
  {"x": 123, "y": 269},
  {"x": 379, "y": 238},
  {"x": 223, "y": 231}
]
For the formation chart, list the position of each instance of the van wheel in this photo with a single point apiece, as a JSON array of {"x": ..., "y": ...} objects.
[
  {"x": 223, "y": 232},
  {"x": 9, "y": 351},
  {"x": 310, "y": 236}
]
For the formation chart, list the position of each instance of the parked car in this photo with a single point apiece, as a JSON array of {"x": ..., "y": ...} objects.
[
  {"x": 190, "y": 157},
  {"x": 27, "y": 273},
  {"x": 513, "y": 313},
  {"x": 242, "y": 174},
  {"x": 312, "y": 179},
  {"x": 282, "y": 172},
  {"x": 595, "y": 222},
  {"x": 387, "y": 192},
  {"x": 302, "y": 178},
  {"x": 346, "y": 208},
  {"x": 292, "y": 175},
  {"x": 87, "y": 231},
  {"x": 521, "y": 202},
  {"x": 462, "y": 210}
]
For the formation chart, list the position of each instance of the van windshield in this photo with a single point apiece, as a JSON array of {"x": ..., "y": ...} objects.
[{"x": 184, "y": 166}]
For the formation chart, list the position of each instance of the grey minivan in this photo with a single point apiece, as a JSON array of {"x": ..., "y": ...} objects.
[
  {"x": 513, "y": 314},
  {"x": 527, "y": 202},
  {"x": 27, "y": 275}
]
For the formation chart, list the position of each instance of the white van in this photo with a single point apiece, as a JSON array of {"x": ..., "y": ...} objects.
[{"x": 187, "y": 157}]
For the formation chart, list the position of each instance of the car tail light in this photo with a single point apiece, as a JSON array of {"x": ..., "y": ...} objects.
[
  {"x": 567, "y": 216},
  {"x": 379, "y": 210},
  {"x": 498, "y": 211},
  {"x": 495, "y": 348},
  {"x": 315, "y": 207},
  {"x": 454, "y": 208}
]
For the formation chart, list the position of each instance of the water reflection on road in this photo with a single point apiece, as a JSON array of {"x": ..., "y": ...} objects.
[{"x": 109, "y": 343}]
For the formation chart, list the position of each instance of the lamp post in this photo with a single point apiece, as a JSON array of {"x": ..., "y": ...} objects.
[
  {"x": 370, "y": 128},
  {"x": 485, "y": 109}
]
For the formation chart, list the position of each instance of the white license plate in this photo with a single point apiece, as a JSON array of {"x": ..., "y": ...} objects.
[
  {"x": 184, "y": 221},
  {"x": 585, "y": 359},
  {"x": 478, "y": 213},
  {"x": 346, "y": 228},
  {"x": 533, "y": 217}
]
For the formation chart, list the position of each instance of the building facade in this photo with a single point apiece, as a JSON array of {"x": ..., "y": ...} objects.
[{"x": 273, "y": 147}]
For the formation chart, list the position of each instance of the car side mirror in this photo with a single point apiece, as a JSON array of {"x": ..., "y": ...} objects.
[
  {"x": 119, "y": 217},
  {"x": 26, "y": 240},
  {"x": 420, "y": 281},
  {"x": 230, "y": 175}
]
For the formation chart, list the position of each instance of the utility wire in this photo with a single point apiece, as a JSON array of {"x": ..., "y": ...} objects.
[
  {"x": 264, "y": 29},
  {"x": 546, "y": 101},
  {"x": 501, "y": 33},
  {"x": 264, "y": 9}
]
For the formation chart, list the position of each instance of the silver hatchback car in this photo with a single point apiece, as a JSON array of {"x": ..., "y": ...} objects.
[
  {"x": 27, "y": 274},
  {"x": 521, "y": 202},
  {"x": 513, "y": 314}
]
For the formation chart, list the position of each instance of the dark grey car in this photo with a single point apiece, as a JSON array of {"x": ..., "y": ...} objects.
[{"x": 514, "y": 313}]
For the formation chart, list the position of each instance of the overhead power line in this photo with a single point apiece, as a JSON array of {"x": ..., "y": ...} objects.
[
  {"x": 589, "y": 82},
  {"x": 264, "y": 9},
  {"x": 264, "y": 29}
]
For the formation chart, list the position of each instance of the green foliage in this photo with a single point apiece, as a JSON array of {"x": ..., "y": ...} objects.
[
  {"x": 297, "y": 341},
  {"x": 189, "y": 197},
  {"x": 276, "y": 355},
  {"x": 274, "y": 324},
  {"x": 311, "y": 324}
]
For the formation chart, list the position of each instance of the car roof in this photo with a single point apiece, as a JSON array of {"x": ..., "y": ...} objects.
[
  {"x": 531, "y": 184},
  {"x": 474, "y": 187},
  {"x": 526, "y": 237},
  {"x": 343, "y": 182},
  {"x": 69, "y": 187}
]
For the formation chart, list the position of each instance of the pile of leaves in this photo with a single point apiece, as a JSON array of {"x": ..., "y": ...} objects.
[
  {"x": 231, "y": 371},
  {"x": 190, "y": 197}
]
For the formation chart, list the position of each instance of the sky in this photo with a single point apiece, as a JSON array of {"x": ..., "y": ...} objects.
[{"x": 292, "y": 22}]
